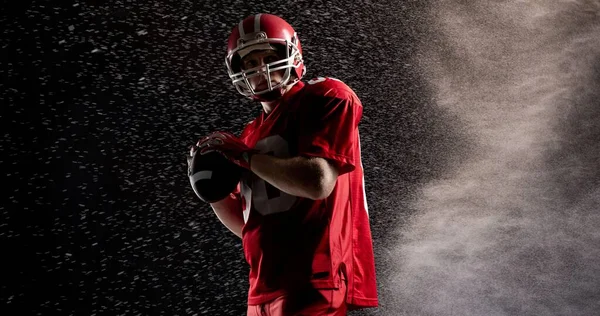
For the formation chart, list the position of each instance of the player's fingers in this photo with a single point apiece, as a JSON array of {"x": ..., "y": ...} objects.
[
  {"x": 227, "y": 135},
  {"x": 220, "y": 135},
  {"x": 207, "y": 138},
  {"x": 211, "y": 142},
  {"x": 216, "y": 135},
  {"x": 202, "y": 141},
  {"x": 206, "y": 150}
]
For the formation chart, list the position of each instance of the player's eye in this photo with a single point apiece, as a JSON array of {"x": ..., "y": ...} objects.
[
  {"x": 270, "y": 59},
  {"x": 250, "y": 63}
]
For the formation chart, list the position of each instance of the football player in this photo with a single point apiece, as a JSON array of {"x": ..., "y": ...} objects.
[{"x": 301, "y": 209}]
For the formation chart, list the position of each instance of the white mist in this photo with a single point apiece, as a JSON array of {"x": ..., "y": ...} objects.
[{"x": 514, "y": 228}]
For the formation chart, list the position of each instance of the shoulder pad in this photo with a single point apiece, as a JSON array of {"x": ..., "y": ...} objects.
[{"x": 328, "y": 86}]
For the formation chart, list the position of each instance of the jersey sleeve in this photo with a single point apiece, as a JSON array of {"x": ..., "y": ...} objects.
[{"x": 329, "y": 129}]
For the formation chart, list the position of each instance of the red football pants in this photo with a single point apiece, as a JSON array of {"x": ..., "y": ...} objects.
[{"x": 313, "y": 302}]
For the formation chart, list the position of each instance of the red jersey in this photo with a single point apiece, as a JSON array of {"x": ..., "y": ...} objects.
[{"x": 290, "y": 241}]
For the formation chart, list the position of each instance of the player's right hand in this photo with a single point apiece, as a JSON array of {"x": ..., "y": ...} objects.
[{"x": 229, "y": 146}]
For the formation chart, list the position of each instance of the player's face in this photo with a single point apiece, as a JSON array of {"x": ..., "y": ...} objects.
[{"x": 260, "y": 58}]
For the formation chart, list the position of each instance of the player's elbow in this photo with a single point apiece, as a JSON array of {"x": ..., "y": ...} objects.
[
  {"x": 229, "y": 212},
  {"x": 325, "y": 182},
  {"x": 322, "y": 191}
]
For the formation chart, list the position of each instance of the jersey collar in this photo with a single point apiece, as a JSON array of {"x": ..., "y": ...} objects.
[{"x": 284, "y": 99}]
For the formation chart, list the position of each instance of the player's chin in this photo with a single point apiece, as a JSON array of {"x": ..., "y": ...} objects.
[
  {"x": 261, "y": 87},
  {"x": 265, "y": 86}
]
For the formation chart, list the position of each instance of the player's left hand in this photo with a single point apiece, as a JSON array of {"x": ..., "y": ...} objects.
[{"x": 229, "y": 146}]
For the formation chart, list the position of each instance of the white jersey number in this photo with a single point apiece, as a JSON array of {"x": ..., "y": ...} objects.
[
  {"x": 320, "y": 79},
  {"x": 266, "y": 198}
]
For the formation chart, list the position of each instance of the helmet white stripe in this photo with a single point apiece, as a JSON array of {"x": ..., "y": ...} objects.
[
  {"x": 241, "y": 28},
  {"x": 257, "y": 23}
]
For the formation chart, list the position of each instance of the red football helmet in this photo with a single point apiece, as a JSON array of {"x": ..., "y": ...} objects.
[{"x": 260, "y": 31}]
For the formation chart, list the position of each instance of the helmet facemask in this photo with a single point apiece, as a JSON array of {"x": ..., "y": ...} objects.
[{"x": 292, "y": 59}]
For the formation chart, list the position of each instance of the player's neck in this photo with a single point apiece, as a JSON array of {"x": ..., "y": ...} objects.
[{"x": 269, "y": 106}]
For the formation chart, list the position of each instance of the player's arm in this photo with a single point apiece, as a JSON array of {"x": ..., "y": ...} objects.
[
  {"x": 309, "y": 177},
  {"x": 327, "y": 135},
  {"x": 325, "y": 145},
  {"x": 229, "y": 212}
]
